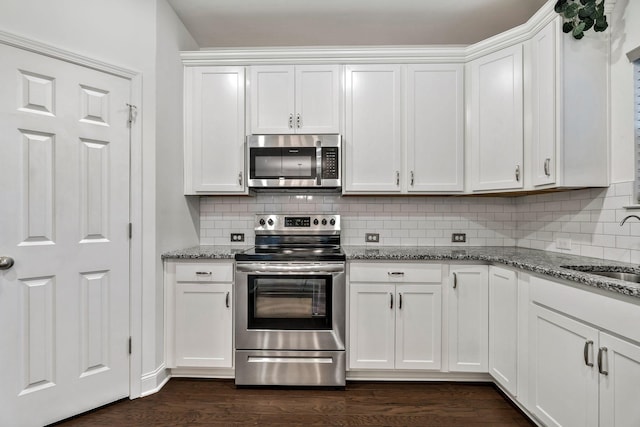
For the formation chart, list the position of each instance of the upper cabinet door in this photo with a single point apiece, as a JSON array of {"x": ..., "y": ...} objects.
[
  {"x": 496, "y": 120},
  {"x": 214, "y": 124},
  {"x": 435, "y": 128},
  {"x": 373, "y": 128},
  {"x": 272, "y": 99},
  {"x": 544, "y": 101},
  {"x": 317, "y": 99}
]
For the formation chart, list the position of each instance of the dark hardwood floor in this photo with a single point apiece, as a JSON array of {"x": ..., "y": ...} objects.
[{"x": 187, "y": 402}]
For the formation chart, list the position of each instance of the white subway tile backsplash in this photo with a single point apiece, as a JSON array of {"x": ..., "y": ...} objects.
[{"x": 589, "y": 217}]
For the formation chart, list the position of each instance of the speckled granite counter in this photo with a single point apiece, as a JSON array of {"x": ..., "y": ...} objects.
[
  {"x": 205, "y": 252},
  {"x": 547, "y": 263},
  {"x": 542, "y": 262}
]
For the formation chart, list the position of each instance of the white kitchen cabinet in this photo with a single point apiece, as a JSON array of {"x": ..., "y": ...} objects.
[
  {"x": 496, "y": 120},
  {"x": 503, "y": 327},
  {"x": 214, "y": 130},
  {"x": 199, "y": 305},
  {"x": 295, "y": 99},
  {"x": 584, "y": 365},
  {"x": 568, "y": 122},
  {"x": 395, "y": 316},
  {"x": 468, "y": 318},
  {"x": 435, "y": 128},
  {"x": 373, "y": 140}
]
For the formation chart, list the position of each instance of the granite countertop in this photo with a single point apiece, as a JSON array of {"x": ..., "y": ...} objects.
[
  {"x": 205, "y": 252},
  {"x": 542, "y": 262}
]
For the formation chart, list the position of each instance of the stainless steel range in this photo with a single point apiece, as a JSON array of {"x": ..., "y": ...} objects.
[{"x": 290, "y": 303}]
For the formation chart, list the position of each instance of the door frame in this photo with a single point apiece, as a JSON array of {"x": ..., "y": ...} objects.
[{"x": 135, "y": 187}]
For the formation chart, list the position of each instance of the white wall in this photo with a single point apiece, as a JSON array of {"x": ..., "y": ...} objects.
[
  {"x": 177, "y": 217},
  {"x": 625, "y": 36}
]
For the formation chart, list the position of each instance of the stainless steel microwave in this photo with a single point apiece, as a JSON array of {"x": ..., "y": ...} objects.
[{"x": 294, "y": 161}]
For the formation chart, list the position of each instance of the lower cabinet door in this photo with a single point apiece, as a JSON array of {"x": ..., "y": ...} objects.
[
  {"x": 418, "y": 327},
  {"x": 204, "y": 325},
  {"x": 503, "y": 327},
  {"x": 371, "y": 326},
  {"x": 468, "y": 318},
  {"x": 619, "y": 367},
  {"x": 563, "y": 377}
]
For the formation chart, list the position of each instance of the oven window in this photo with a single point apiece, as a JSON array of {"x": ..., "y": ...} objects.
[{"x": 291, "y": 302}]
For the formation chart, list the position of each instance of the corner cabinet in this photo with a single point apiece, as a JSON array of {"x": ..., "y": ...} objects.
[
  {"x": 567, "y": 82},
  {"x": 496, "y": 120},
  {"x": 295, "y": 99},
  {"x": 404, "y": 138},
  {"x": 468, "y": 318},
  {"x": 395, "y": 316},
  {"x": 199, "y": 314},
  {"x": 214, "y": 130}
]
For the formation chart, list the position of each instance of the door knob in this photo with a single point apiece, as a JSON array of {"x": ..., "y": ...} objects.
[{"x": 6, "y": 262}]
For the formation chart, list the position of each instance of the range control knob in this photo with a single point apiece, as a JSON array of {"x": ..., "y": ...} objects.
[
  {"x": 324, "y": 221},
  {"x": 333, "y": 221},
  {"x": 262, "y": 221},
  {"x": 270, "y": 222},
  {"x": 315, "y": 221}
]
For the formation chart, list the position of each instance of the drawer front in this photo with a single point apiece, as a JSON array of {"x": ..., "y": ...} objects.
[
  {"x": 204, "y": 272},
  {"x": 395, "y": 272}
]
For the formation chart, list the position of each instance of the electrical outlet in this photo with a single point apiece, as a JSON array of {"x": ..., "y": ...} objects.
[
  {"x": 237, "y": 237},
  {"x": 458, "y": 237},
  {"x": 563, "y": 243},
  {"x": 372, "y": 237}
]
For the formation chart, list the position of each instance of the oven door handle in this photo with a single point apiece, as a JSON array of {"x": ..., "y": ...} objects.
[{"x": 290, "y": 268}]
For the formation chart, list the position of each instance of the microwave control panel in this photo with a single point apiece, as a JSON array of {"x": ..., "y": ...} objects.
[{"x": 330, "y": 163}]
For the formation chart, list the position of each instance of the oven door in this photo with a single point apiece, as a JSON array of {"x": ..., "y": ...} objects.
[{"x": 290, "y": 306}]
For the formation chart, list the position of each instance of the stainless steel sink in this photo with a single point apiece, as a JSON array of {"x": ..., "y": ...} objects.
[{"x": 613, "y": 272}]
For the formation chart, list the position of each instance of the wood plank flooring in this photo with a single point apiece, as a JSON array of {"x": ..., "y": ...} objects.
[{"x": 189, "y": 402}]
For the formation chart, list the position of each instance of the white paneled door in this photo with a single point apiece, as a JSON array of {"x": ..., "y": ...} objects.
[{"x": 64, "y": 214}]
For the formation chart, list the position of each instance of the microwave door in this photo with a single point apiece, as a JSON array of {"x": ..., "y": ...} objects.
[
  {"x": 266, "y": 163},
  {"x": 299, "y": 163}
]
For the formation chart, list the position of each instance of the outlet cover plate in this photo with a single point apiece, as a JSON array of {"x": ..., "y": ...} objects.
[
  {"x": 459, "y": 237},
  {"x": 237, "y": 237},
  {"x": 372, "y": 237}
]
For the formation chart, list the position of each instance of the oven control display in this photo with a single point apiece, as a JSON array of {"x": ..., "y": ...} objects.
[{"x": 297, "y": 221}]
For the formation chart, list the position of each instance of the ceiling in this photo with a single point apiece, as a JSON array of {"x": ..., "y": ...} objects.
[{"x": 259, "y": 23}]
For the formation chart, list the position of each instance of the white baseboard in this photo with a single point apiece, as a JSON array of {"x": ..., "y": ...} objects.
[{"x": 152, "y": 382}]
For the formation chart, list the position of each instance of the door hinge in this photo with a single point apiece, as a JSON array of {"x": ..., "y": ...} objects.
[
  {"x": 130, "y": 230},
  {"x": 129, "y": 345}
]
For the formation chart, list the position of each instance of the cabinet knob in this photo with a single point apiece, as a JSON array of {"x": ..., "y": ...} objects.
[{"x": 6, "y": 262}]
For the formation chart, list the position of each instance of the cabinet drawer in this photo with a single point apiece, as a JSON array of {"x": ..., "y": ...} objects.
[
  {"x": 396, "y": 272},
  {"x": 204, "y": 272}
]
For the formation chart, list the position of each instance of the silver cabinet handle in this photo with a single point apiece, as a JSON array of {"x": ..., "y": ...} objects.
[
  {"x": 391, "y": 304},
  {"x": 602, "y": 350},
  {"x": 399, "y": 301},
  {"x": 226, "y": 300},
  {"x": 412, "y": 178},
  {"x": 6, "y": 262},
  {"x": 455, "y": 280},
  {"x": 240, "y": 178},
  {"x": 586, "y": 353},
  {"x": 518, "y": 173},
  {"x": 298, "y": 121},
  {"x": 395, "y": 273},
  {"x": 547, "y": 169},
  {"x": 203, "y": 273},
  {"x": 291, "y": 121},
  {"x": 397, "y": 177}
]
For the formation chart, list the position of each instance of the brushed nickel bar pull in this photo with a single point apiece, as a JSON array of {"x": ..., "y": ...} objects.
[
  {"x": 455, "y": 280},
  {"x": 586, "y": 353},
  {"x": 547, "y": 169},
  {"x": 400, "y": 301},
  {"x": 518, "y": 173},
  {"x": 240, "y": 178},
  {"x": 600, "y": 366},
  {"x": 298, "y": 121},
  {"x": 398, "y": 178},
  {"x": 395, "y": 273},
  {"x": 412, "y": 178},
  {"x": 391, "y": 304},
  {"x": 226, "y": 300},
  {"x": 203, "y": 273},
  {"x": 291, "y": 121}
]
